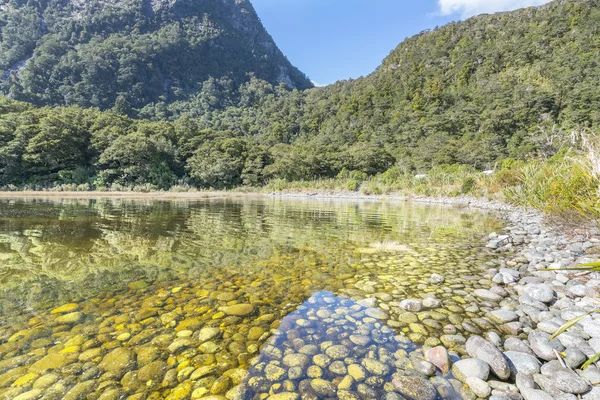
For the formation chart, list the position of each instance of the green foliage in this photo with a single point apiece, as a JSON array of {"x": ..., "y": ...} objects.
[{"x": 133, "y": 54}]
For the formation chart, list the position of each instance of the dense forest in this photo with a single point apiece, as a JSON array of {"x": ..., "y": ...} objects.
[
  {"x": 509, "y": 85},
  {"x": 107, "y": 53}
]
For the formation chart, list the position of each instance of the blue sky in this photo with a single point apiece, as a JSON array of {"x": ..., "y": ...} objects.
[{"x": 330, "y": 40}]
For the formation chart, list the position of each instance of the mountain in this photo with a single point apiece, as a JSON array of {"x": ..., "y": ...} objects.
[
  {"x": 515, "y": 85},
  {"x": 98, "y": 53}
]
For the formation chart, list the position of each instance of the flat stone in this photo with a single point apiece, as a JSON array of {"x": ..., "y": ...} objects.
[
  {"x": 239, "y": 310},
  {"x": 479, "y": 387},
  {"x": 377, "y": 313},
  {"x": 488, "y": 295},
  {"x": 471, "y": 367},
  {"x": 569, "y": 382},
  {"x": 411, "y": 305},
  {"x": 523, "y": 363},
  {"x": 70, "y": 318},
  {"x": 66, "y": 308},
  {"x": 478, "y": 347},
  {"x": 542, "y": 347},
  {"x": 535, "y": 394},
  {"x": 375, "y": 367},
  {"x": 503, "y": 316},
  {"x": 207, "y": 334},
  {"x": 414, "y": 387},
  {"x": 540, "y": 291},
  {"x": 117, "y": 361}
]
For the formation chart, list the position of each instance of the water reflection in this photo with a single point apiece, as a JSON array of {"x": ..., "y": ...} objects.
[{"x": 175, "y": 299}]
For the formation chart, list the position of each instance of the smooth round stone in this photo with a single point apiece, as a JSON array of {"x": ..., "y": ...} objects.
[
  {"x": 479, "y": 387},
  {"x": 488, "y": 295},
  {"x": 471, "y": 367},
  {"x": 376, "y": 313},
  {"x": 65, "y": 308},
  {"x": 411, "y": 305},
  {"x": 569, "y": 382},
  {"x": 375, "y": 367},
  {"x": 574, "y": 357},
  {"x": 439, "y": 357},
  {"x": 542, "y": 347},
  {"x": 357, "y": 372},
  {"x": 70, "y": 318},
  {"x": 503, "y": 316},
  {"x": 323, "y": 387},
  {"x": 117, "y": 361},
  {"x": 360, "y": 340},
  {"x": 275, "y": 373},
  {"x": 239, "y": 310},
  {"x": 207, "y": 334},
  {"x": 515, "y": 344},
  {"x": 314, "y": 372},
  {"x": 337, "y": 352},
  {"x": 338, "y": 368},
  {"x": 478, "y": 347},
  {"x": 523, "y": 363},
  {"x": 540, "y": 292},
  {"x": 295, "y": 360},
  {"x": 431, "y": 302},
  {"x": 535, "y": 394},
  {"x": 414, "y": 387}
]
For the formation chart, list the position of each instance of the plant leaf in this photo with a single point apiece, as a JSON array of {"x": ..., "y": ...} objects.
[
  {"x": 590, "y": 361},
  {"x": 569, "y": 324}
]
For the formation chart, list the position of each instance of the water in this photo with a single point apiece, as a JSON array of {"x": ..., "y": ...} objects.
[{"x": 177, "y": 299}]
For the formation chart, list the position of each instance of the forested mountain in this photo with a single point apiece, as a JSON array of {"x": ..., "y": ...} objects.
[
  {"x": 131, "y": 53},
  {"x": 475, "y": 92}
]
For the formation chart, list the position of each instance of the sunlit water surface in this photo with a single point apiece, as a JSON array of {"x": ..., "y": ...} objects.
[{"x": 249, "y": 297}]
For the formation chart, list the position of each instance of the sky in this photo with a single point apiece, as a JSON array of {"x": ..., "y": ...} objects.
[{"x": 332, "y": 40}]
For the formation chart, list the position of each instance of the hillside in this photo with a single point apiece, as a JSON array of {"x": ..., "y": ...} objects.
[
  {"x": 96, "y": 53},
  {"x": 515, "y": 85}
]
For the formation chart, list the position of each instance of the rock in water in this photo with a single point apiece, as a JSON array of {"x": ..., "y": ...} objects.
[
  {"x": 478, "y": 347},
  {"x": 414, "y": 387},
  {"x": 439, "y": 357},
  {"x": 239, "y": 310}
]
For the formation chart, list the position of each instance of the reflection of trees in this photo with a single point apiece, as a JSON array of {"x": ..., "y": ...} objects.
[{"x": 92, "y": 244}]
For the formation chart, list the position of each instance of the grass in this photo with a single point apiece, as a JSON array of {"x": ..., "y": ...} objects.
[{"x": 564, "y": 186}]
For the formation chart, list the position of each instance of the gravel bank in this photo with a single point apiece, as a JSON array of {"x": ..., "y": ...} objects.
[{"x": 531, "y": 298}]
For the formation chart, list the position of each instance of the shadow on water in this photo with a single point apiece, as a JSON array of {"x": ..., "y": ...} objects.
[{"x": 335, "y": 347}]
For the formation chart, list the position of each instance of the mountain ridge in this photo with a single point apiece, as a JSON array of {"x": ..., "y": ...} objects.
[{"x": 90, "y": 53}]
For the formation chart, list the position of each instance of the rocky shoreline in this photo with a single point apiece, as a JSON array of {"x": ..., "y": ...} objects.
[{"x": 532, "y": 297}]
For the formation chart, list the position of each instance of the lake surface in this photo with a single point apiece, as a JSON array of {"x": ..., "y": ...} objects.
[{"x": 252, "y": 297}]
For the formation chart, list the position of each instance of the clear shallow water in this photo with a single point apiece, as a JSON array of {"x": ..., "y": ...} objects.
[{"x": 180, "y": 299}]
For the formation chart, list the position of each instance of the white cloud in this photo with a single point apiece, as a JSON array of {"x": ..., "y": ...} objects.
[
  {"x": 468, "y": 8},
  {"x": 317, "y": 84}
]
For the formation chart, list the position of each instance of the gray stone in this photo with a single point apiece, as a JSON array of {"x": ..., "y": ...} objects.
[
  {"x": 515, "y": 344},
  {"x": 524, "y": 381},
  {"x": 487, "y": 295},
  {"x": 480, "y": 348},
  {"x": 471, "y": 367},
  {"x": 542, "y": 347},
  {"x": 503, "y": 316},
  {"x": 574, "y": 358},
  {"x": 540, "y": 291},
  {"x": 535, "y": 394},
  {"x": 479, "y": 387},
  {"x": 569, "y": 382},
  {"x": 411, "y": 305},
  {"x": 523, "y": 363}
]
